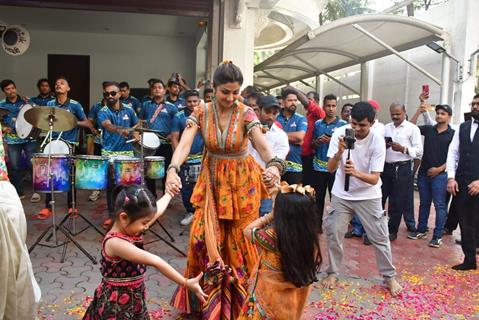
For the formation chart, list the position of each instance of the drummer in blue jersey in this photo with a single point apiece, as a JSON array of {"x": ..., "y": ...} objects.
[
  {"x": 158, "y": 115},
  {"x": 295, "y": 126},
  {"x": 16, "y": 145},
  {"x": 44, "y": 93},
  {"x": 62, "y": 101},
  {"x": 189, "y": 171},
  {"x": 174, "y": 91},
  {"x": 127, "y": 99},
  {"x": 115, "y": 118}
]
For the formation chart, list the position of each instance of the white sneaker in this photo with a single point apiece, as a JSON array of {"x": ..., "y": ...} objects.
[
  {"x": 35, "y": 198},
  {"x": 94, "y": 195},
  {"x": 187, "y": 219}
]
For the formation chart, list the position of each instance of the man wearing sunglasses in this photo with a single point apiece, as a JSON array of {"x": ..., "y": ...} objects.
[
  {"x": 116, "y": 118},
  {"x": 62, "y": 101}
]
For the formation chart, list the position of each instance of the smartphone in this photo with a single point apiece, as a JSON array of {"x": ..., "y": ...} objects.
[
  {"x": 425, "y": 88},
  {"x": 388, "y": 139}
]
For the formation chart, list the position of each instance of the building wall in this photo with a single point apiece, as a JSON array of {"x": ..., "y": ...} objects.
[{"x": 133, "y": 58}]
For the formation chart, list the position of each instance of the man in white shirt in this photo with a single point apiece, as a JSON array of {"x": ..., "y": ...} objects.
[
  {"x": 278, "y": 139},
  {"x": 463, "y": 182},
  {"x": 363, "y": 197},
  {"x": 403, "y": 145}
]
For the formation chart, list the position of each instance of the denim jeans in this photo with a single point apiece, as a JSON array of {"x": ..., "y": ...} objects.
[
  {"x": 357, "y": 226},
  {"x": 432, "y": 190},
  {"x": 15, "y": 155},
  {"x": 187, "y": 189}
]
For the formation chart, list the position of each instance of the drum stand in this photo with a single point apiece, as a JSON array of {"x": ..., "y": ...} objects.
[
  {"x": 160, "y": 238},
  {"x": 56, "y": 227}
]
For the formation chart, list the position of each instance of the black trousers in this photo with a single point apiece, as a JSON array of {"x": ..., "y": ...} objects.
[
  {"x": 468, "y": 209},
  {"x": 293, "y": 177},
  {"x": 308, "y": 171},
  {"x": 166, "y": 151},
  {"x": 397, "y": 179},
  {"x": 322, "y": 181},
  {"x": 452, "y": 215}
]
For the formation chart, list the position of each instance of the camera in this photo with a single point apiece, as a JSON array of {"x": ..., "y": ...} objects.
[{"x": 349, "y": 138}]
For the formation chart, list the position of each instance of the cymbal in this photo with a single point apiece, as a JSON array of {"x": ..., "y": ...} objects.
[
  {"x": 62, "y": 119},
  {"x": 3, "y": 112}
]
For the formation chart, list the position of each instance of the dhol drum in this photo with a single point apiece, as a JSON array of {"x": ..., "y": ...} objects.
[
  {"x": 194, "y": 168},
  {"x": 151, "y": 142},
  {"x": 127, "y": 171},
  {"x": 91, "y": 172},
  {"x": 24, "y": 129},
  {"x": 60, "y": 168},
  {"x": 155, "y": 167},
  {"x": 57, "y": 147}
]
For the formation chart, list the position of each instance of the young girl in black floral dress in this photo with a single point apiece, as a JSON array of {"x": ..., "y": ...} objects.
[{"x": 121, "y": 293}]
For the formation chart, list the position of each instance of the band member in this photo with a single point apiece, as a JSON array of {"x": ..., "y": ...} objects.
[
  {"x": 208, "y": 95},
  {"x": 16, "y": 145},
  {"x": 149, "y": 96},
  {"x": 190, "y": 169},
  {"x": 115, "y": 117},
  {"x": 158, "y": 115},
  {"x": 45, "y": 93},
  {"x": 174, "y": 91},
  {"x": 463, "y": 182},
  {"x": 62, "y": 101},
  {"x": 127, "y": 99},
  {"x": 295, "y": 126}
]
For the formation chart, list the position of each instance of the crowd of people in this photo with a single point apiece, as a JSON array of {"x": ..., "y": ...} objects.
[{"x": 253, "y": 174}]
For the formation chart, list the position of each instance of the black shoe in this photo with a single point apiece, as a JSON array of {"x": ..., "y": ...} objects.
[
  {"x": 366, "y": 240},
  {"x": 458, "y": 241},
  {"x": 393, "y": 236},
  {"x": 465, "y": 266},
  {"x": 349, "y": 234}
]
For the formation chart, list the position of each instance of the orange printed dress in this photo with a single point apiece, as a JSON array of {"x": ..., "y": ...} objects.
[
  {"x": 228, "y": 193},
  {"x": 270, "y": 295}
]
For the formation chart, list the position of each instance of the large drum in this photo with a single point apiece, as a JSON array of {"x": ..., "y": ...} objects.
[
  {"x": 57, "y": 147},
  {"x": 91, "y": 172},
  {"x": 155, "y": 167},
  {"x": 60, "y": 168},
  {"x": 24, "y": 129},
  {"x": 127, "y": 171},
  {"x": 151, "y": 142}
]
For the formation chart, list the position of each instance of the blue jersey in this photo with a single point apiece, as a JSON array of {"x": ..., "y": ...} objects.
[
  {"x": 133, "y": 103},
  {"x": 295, "y": 123},
  {"x": 124, "y": 117},
  {"x": 77, "y": 110},
  {"x": 41, "y": 101},
  {"x": 93, "y": 116},
  {"x": 320, "y": 162},
  {"x": 179, "y": 124},
  {"x": 10, "y": 119},
  {"x": 158, "y": 116},
  {"x": 179, "y": 103}
]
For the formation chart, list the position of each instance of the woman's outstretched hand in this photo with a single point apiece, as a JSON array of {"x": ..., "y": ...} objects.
[
  {"x": 271, "y": 177},
  {"x": 193, "y": 285}
]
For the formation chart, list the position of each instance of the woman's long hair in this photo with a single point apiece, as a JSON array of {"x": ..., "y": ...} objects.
[{"x": 297, "y": 229}]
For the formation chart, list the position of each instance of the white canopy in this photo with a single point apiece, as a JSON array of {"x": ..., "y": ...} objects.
[{"x": 341, "y": 44}]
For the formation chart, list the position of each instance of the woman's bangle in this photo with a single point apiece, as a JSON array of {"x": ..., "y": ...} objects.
[
  {"x": 174, "y": 166},
  {"x": 278, "y": 163}
]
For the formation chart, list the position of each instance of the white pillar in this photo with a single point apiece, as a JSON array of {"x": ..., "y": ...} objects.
[
  {"x": 445, "y": 79},
  {"x": 367, "y": 72}
]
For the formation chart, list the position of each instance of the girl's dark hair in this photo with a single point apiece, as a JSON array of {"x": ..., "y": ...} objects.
[
  {"x": 227, "y": 72},
  {"x": 135, "y": 201},
  {"x": 297, "y": 229}
]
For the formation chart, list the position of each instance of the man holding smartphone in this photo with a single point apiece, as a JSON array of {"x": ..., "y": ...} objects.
[
  {"x": 323, "y": 130},
  {"x": 364, "y": 167}
]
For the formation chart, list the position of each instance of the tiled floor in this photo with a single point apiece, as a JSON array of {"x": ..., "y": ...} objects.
[{"x": 432, "y": 290}]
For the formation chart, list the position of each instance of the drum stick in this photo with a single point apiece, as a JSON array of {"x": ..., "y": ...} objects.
[
  {"x": 45, "y": 140},
  {"x": 130, "y": 141}
]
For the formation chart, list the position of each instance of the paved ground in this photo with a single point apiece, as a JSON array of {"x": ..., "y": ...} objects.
[{"x": 432, "y": 290}]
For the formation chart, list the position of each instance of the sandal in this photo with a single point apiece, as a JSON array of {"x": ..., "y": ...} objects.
[{"x": 43, "y": 214}]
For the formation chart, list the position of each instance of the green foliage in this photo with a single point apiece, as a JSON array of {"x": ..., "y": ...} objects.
[{"x": 336, "y": 9}]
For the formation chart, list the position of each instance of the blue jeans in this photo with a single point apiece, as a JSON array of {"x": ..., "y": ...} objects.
[
  {"x": 357, "y": 226},
  {"x": 265, "y": 207},
  {"x": 432, "y": 190},
  {"x": 187, "y": 189},
  {"x": 15, "y": 155}
]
